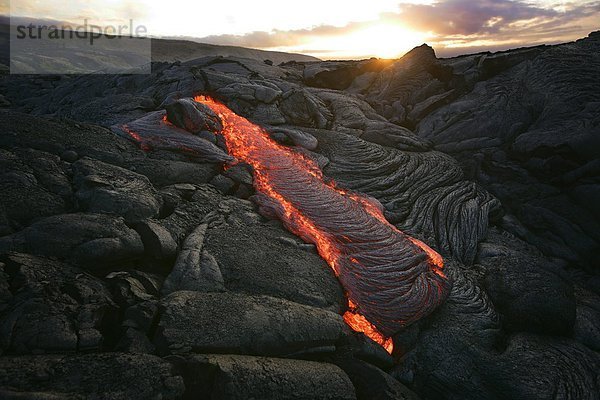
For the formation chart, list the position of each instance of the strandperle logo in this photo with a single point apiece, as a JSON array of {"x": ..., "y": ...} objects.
[
  {"x": 79, "y": 48},
  {"x": 86, "y": 31}
]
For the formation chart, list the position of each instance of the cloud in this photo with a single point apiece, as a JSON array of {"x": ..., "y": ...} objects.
[
  {"x": 451, "y": 26},
  {"x": 358, "y": 28},
  {"x": 467, "y": 17},
  {"x": 282, "y": 38},
  {"x": 75, "y": 12},
  {"x": 459, "y": 26}
]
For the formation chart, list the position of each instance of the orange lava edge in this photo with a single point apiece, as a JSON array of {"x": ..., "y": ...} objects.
[{"x": 236, "y": 146}]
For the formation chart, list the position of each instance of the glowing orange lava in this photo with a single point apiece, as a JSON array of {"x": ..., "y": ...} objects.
[
  {"x": 250, "y": 143},
  {"x": 360, "y": 324},
  {"x": 136, "y": 137}
]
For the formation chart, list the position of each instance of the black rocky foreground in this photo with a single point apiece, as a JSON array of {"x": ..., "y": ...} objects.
[{"x": 134, "y": 273}]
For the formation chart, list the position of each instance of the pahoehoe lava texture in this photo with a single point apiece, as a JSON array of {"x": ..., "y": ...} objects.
[
  {"x": 391, "y": 278},
  {"x": 489, "y": 158}
]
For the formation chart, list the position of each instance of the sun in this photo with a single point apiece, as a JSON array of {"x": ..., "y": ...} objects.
[{"x": 383, "y": 41}]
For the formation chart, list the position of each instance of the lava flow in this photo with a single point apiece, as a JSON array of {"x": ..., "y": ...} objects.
[{"x": 390, "y": 279}]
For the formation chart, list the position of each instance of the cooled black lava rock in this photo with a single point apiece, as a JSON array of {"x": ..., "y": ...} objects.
[
  {"x": 241, "y": 324},
  {"x": 530, "y": 297},
  {"x": 115, "y": 376},
  {"x": 132, "y": 287},
  {"x": 243, "y": 377},
  {"x": 528, "y": 132},
  {"x": 192, "y": 116},
  {"x": 295, "y": 274},
  {"x": 53, "y": 307},
  {"x": 93, "y": 241},
  {"x": 169, "y": 172},
  {"x": 33, "y": 184},
  {"x": 158, "y": 241},
  {"x": 502, "y": 142},
  {"x": 371, "y": 383},
  {"x": 153, "y": 132},
  {"x": 195, "y": 269},
  {"x": 105, "y": 188}
]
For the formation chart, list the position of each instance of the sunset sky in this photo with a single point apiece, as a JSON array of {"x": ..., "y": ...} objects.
[{"x": 331, "y": 29}]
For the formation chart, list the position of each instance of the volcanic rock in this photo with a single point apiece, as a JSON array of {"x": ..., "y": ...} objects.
[
  {"x": 168, "y": 172},
  {"x": 526, "y": 159},
  {"x": 415, "y": 77},
  {"x": 267, "y": 94},
  {"x": 104, "y": 188},
  {"x": 141, "y": 316},
  {"x": 240, "y": 173},
  {"x": 92, "y": 241},
  {"x": 365, "y": 349},
  {"x": 158, "y": 242},
  {"x": 333, "y": 75},
  {"x": 424, "y": 193},
  {"x": 302, "y": 108},
  {"x": 223, "y": 184},
  {"x": 243, "y": 377},
  {"x": 195, "y": 269},
  {"x": 135, "y": 342},
  {"x": 587, "y": 323},
  {"x": 69, "y": 156},
  {"x": 488, "y": 158},
  {"x": 295, "y": 274},
  {"x": 136, "y": 328},
  {"x": 372, "y": 383},
  {"x": 107, "y": 376},
  {"x": 192, "y": 116},
  {"x": 152, "y": 132},
  {"x": 132, "y": 287},
  {"x": 465, "y": 337},
  {"x": 33, "y": 184},
  {"x": 293, "y": 137},
  {"x": 187, "y": 215},
  {"x": 54, "y": 307},
  {"x": 242, "y": 324},
  {"x": 548, "y": 356},
  {"x": 28, "y": 131},
  {"x": 528, "y": 294}
]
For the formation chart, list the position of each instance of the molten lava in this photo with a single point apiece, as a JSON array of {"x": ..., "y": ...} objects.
[
  {"x": 390, "y": 278},
  {"x": 136, "y": 137}
]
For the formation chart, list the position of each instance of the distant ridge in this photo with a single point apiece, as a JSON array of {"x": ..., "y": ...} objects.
[
  {"x": 183, "y": 49},
  {"x": 167, "y": 49}
]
